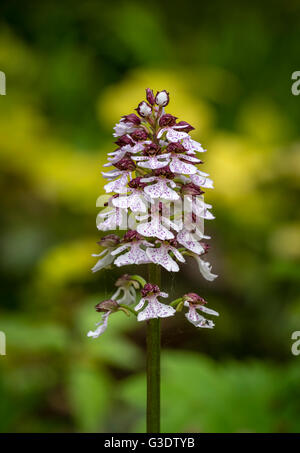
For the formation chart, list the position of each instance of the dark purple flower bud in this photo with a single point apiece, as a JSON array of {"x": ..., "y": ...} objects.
[
  {"x": 151, "y": 150},
  {"x": 126, "y": 163},
  {"x": 124, "y": 140},
  {"x": 136, "y": 183},
  {"x": 150, "y": 96},
  {"x": 164, "y": 171},
  {"x": 109, "y": 240},
  {"x": 176, "y": 148},
  {"x": 131, "y": 235},
  {"x": 144, "y": 109},
  {"x": 107, "y": 305},
  {"x": 167, "y": 120},
  {"x": 187, "y": 127},
  {"x": 191, "y": 189},
  {"x": 206, "y": 247},
  {"x": 193, "y": 298},
  {"x": 139, "y": 135},
  {"x": 162, "y": 98},
  {"x": 132, "y": 118},
  {"x": 149, "y": 288}
]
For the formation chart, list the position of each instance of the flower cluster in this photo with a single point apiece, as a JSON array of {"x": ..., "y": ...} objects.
[
  {"x": 154, "y": 182},
  {"x": 149, "y": 306}
]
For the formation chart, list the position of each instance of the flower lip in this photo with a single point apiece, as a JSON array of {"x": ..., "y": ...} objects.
[
  {"x": 136, "y": 183},
  {"x": 187, "y": 127},
  {"x": 164, "y": 171},
  {"x": 132, "y": 118},
  {"x": 162, "y": 98},
  {"x": 150, "y": 96},
  {"x": 167, "y": 120},
  {"x": 194, "y": 298},
  {"x": 151, "y": 149},
  {"x": 132, "y": 235},
  {"x": 126, "y": 163},
  {"x": 109, "y": 240},
  {"x": 139, "y": 135},
  {"x": 191, "y": 189},
  {"x": 176, "y": 147},
  {"x": 149, "y": 288},
  {"x": 124, "y": 140},
  {"x": 107, "y": 305}
]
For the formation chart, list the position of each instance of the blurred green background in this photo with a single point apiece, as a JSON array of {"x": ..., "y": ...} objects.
[{"x": 72, "y": 69}]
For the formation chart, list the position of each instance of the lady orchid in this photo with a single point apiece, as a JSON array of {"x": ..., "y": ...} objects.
[{"x": 156, "y": 186}]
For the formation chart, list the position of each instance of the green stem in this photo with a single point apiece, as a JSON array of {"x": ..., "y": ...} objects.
[{"x": 153, "y": 362}]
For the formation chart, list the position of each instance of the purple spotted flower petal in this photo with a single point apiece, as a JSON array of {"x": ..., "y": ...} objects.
[
  {"x": 135, "y": 255},
  {"x": 161, "y": 188},
  {"x": 154, "y": 308},
  {"x": 161, "y": 256}
]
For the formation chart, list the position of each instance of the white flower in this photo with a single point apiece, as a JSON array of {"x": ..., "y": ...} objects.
[
  {"x": 162, "y": 98},
  {"x": 120, "y": 153},
  {"x": 196, "y": 205},
  {"x": 160, "y": 189},
  {"x": 135, "y": 254},
  {"x": 122, "y": 128},
  {"x": 199, "y": 178},
  {"x": 119, "y": 180},
  {"x": 113, "y": 218},
  {"x": 105, "y": 261},
  {"x": 195, "y": 318},
  {"x": 205, "y": 269},
  {"x": 154, "y": 309},
  {"x": 129, "y": 295},
  {"x": 190, "y": 241},
  {"x": 107, "y": 307},
  {"x": 155, "y": 227},
  {"x": 135, "y": 200},
  {"x": 144, "y": 109},
  {"x": 152, "y": 162},
  {"x": 161, "y": 256},
  {"x": 178, "y": 164},
  {"x": 102, "y": 326}
]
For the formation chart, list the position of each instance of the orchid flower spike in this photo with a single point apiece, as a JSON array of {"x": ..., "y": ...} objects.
[{"x": 156, "y": 194}]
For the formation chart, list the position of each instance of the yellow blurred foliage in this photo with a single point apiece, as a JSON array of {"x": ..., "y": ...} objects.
[{"x": 66, "y": 263}]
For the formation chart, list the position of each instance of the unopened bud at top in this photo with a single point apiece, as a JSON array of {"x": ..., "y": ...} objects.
[
  {"x": 144, "y": 109},
  {"x": 150, "y": 96},
  {"x": 162, "y": 98}
]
